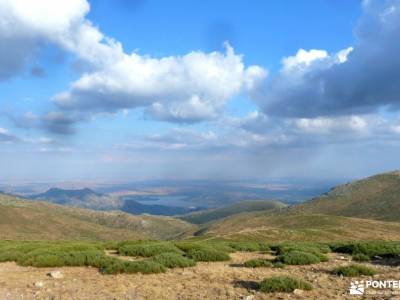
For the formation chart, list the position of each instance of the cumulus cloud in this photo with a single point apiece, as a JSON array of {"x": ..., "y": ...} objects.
[
  {"x": 27, "y": 26},
  {"x": 357, "y": 80},
  {"x": 187, "y": 88}
]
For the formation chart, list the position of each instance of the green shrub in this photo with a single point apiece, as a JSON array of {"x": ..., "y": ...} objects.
[
  {"x": 144, "y": 267},
  {"x": 206, "y": 254},
  {"x": 304, "y": 247},
  {"x": 257, "y": 263},
  {"x": 173, "y": 260},
  {"x": 221, "y": 246},
  {"x": 148, "y": 249},
  {"x": 245, "y": 246},
  {"x": 115, "y": 266},
  {"x": 298, "y": 258},
  {"x": 283, "y": 284},
  {"x": 361, "y": 257},
  {"x": 354, "y": 270},
  {"x": 371, "y": 249},
  {"x": 58, "y": 254}
]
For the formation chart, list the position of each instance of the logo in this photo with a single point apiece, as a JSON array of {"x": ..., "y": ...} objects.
[
  {"x": 357, "y": 288},
  {"x": 375, "y": 287}
]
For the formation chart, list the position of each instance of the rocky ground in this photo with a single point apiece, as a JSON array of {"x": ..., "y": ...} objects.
[{"x": 222, "y": 280}]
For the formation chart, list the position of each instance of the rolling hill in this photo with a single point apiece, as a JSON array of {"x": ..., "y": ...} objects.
[
  {"x": 363, "y": 209},
  {"x": 376, "y": 197},
  {"x": 21, "y": 219},
  {"x": 300, "y": 227},
  {"x": 228, "y": 210}
]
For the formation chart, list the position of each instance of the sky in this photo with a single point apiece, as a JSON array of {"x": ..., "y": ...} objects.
[{"x": 144, "y": 89}]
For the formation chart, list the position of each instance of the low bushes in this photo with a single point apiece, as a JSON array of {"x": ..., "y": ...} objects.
[
  {"x": 370, "y": 249},
  {"x": 59, "y": 254},
  {"x": 354, "y": 270},
  {"x": 148, "y": 249},
  {"x": 283, "y": 284},
  {"x": 207, "y": 254},
  {"x": 257, "y": 263},
  {"x": 298, "y": 258},
  {"x": 173, "y": 260},
  {"x": 114, "y": 266}
]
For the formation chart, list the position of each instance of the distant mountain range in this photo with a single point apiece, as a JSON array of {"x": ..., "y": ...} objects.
[
  {"x": 87, "y": 198},
  {"x": 364, "y": 209}
]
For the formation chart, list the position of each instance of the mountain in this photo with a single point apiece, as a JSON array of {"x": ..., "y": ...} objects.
[
  {"x": 228, "y": 210},
  {"x": 376, "y": 197},
  {"x": 21, "y": 219},
  {"x": 87, "y": 198},
  {"x": 84, "y": 198}
]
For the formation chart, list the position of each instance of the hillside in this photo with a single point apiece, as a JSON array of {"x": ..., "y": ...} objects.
[
  {"x": 351, "y": 211},
  {"x": 20, "y": 219},
  {"x": 376, "y": 197},
  {"x": 301, "y": 227},
  {"x": 228, "y": 210}
]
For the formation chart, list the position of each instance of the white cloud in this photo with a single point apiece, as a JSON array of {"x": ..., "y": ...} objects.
[
  {"x": 27, "y": 26},
  {"x": 328, "y": 125},
  {"x": 303, "y": 59},
  {"x": 187, "y": 88}
]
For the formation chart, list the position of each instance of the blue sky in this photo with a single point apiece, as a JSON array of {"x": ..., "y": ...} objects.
[{"x": 141, "y": 89}]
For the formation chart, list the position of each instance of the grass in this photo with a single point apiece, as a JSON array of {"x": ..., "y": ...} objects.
[
  {"x": 257, "y": 263},
  {"x": 283, "y": 284},
  {"x": 354, "y": 270}
]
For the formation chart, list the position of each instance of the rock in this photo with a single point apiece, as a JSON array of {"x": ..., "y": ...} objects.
[
  {"x": 39, "y": 284},
  {"x": 56, "y": 274},
  {"x": 298, "y": 292},
  {"x": 342, "y": 258},
  {"x": 249, "y": 297}
]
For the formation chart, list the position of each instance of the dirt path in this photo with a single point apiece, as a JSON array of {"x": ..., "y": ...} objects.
[{"x": 223, "y": 280}]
